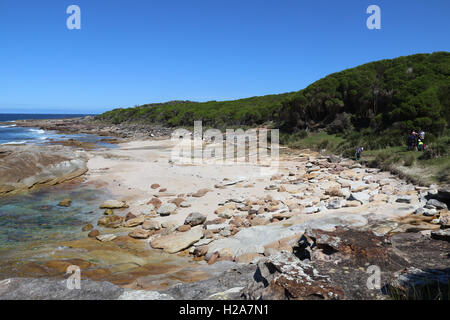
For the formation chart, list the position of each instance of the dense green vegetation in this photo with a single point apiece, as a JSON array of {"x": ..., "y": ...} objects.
[
  {"x": 374, "y": 105},
  {"x": 219, "y": 114},
  {"x": 385, "y": 98},
  {"x": 394, "y": 95}
]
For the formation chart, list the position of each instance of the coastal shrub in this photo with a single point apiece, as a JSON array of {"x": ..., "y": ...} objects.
[
  {"x": 443, "y": 175},
  {"x": 323, "y": 144},
  {"x": 439, "y": 148}
]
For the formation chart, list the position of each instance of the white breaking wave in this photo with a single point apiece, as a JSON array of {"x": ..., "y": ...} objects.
[
  {"x": 15, "y": 142},
  {"x": 37, "y": 130},
  {"x": 10, "y": 126}
]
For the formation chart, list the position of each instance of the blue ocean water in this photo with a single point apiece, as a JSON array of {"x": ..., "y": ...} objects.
[
  {"x": 10, "y": 133},
  {"x": 30, "y": 116}
]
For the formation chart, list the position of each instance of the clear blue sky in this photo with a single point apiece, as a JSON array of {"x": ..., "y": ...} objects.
[{"x": 135, "y": 52}]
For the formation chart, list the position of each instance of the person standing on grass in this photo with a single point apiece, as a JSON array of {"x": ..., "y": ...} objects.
[
  {"x": 411, "y": 140},
  {"x": 358, "y": 152}
]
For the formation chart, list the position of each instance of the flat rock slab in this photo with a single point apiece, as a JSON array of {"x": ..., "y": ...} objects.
[
  {"x": 106, "y": 237},
  {"x": 46, "y": 289},
  {"x": 176, "y": 242},
  {"x": 253, "y": 239},
  {"x": 226, "y": 277},
  {"x": 24, "y": 167}
]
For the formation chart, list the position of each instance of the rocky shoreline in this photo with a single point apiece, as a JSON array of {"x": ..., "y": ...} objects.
[
  {"x": 88, "y": 125},
  {"x": 314, "y": 230},
  {"x": 24, "y": 167}
]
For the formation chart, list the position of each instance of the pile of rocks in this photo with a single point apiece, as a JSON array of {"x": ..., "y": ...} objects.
[{"x": 341, "y": 264}]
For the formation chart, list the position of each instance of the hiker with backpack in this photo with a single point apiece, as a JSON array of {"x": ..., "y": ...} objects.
[{"x": 420, "y": 145}]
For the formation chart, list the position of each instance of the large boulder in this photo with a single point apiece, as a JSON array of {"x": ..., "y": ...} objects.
[
  {"x": 437, "y": 204},
  {"x": 26, "y": 166},
  {"x": 283, "y": 276},
  {"x": 176, "y": 242}
]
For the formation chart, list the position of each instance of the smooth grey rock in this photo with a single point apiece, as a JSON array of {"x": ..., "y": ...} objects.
[
  {"x": 437, "y": 204},
  {"x": 167, "y": 209},
  {"x": 195, "y": 218},
  {"x": 185, "y": 204},
  {"x": 362, "y": 197}
]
